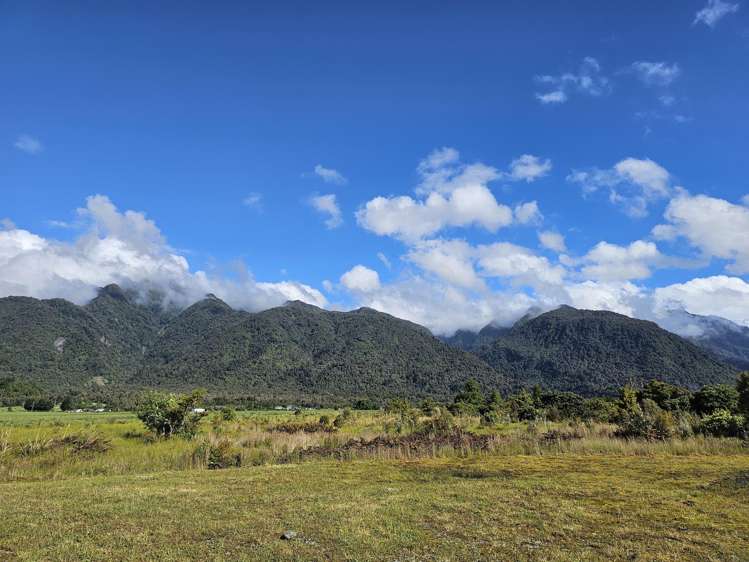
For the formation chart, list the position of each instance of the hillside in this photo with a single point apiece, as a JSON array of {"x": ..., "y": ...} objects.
[
  {"x": 291, "y": 352},
  {"x": 725, "y": 339},
  {"x": 55, "y": 344},
  {"x": 594, "y": 352},
  {"x": 301, "y": 350}
]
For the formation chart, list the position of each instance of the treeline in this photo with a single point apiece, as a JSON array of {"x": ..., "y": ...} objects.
[{"x": 658, "y": 410}]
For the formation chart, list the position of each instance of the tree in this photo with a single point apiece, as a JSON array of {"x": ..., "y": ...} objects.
[
  {"x": 171, "y": 414},
  {"x": 714, "y": 397},
  {"x": 39, "y": 404},
  {"x": 742, "y": 387},
  {"x": 70, "y": 402},
  {"x": 667, "y": 396},
  {"x": 471, "y": 399}
]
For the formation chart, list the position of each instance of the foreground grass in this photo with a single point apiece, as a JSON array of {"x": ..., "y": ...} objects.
[{"x": 563, "y": 507}]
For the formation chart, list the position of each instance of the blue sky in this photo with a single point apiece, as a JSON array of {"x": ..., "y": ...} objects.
[{"x": 211, "y": 119}]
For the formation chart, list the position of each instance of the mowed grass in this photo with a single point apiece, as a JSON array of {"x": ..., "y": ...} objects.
[
  {"x": 591, "y": 498},
  {"x": 500, "y": 508}
]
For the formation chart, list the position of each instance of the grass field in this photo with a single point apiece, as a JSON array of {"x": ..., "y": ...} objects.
[{"x": 591, "y": 498}]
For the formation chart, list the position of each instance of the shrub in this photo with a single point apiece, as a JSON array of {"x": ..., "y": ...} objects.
[
  {"x": 601, "y": 410},
  {"x": 714, "y": 397},
  {"x": 342, "y": 418},
  {"x": 440, "y": 423},
  {"x": 722, "y": 423},
  {"x": 228, "y": 414},
  {"x": 520, "y": 406},
  {"x": 217, "y": 454},
  {"x": 170, "y": 414},
  {"x": 647, "y": 422}
]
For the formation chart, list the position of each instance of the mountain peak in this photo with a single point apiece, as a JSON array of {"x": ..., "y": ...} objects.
[{"x": 113, "y": 290}]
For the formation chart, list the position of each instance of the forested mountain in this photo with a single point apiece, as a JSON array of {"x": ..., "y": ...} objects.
[
  {"x": 302, "y": 350},
  {"x": 291, "y": 352},
  {"x": 298, "y": 351},
  {"x": 594, "y": 352},
  {"x": 725, "y": 339}
]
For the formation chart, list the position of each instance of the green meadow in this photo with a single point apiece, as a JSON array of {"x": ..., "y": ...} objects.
[{"x": 99, "y": 487}]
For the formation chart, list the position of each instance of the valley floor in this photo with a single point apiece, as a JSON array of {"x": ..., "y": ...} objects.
[{"x": 563, "y": 507}]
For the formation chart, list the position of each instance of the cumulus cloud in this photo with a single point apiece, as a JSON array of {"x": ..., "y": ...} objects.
[
  {"x": 528, "y": 213},
  {"x": 450, "y": 260},
  {"x": 714, "y": 11},
  {"x": 632, "y": 183},
  {"x": 715, "y": 226},
  {"x": 611, "y": 262},
  {"x": 327, "y": 205},
  {"x": 330, "y": 175},
  {"x": 718, "y": 295},
  {"x": 126, "y": 248},
  {"x": 588, "y": 80},
  {"x": 552, "y": 241},
  {"x": 451, "y": 194},
  {"x": 529, "y": 168},
  {"x": 442, "y": 307},
  {"x": 518, "y": 264},
  {"x": 361, "y": 279},
  {"x": 28, "y": 144},
  {"x": 656, "y": 73}
]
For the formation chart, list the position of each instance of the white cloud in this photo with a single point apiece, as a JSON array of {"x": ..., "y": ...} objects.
[
  {"x": 552, "y": 241},
  {"x": 529, "y": 168},
  {"x": 450, "y": 260},
  {"x": 716, "y": 227},
  {"x": 253, "y": 200},
  {"x": 557, "y": 96},
  {"x": 28, "y": 144},
  {"x": 444, "y": 308},
  {"x": 718, "y": 295},
  {"x": 327, "y": 285},
  {"x": 328, "y": 205},
  {"x": 611, "y": 262},
  {"x": 7, "y": 224},
  {"x": 361, "y": 279},
  {"x": 656, "y": 73},
  {"x": 714, "y": 11},
  {"x": 621, "y": 297},
  {"x": 330, "y": 175},
  {"x": 519, "y": 264},
  {"x": 452, "y": 195},
  {"x": 125, "y": 248},
  {"x": 410, "y": 219},
  {"x": 384, "y": 259},
  {"x": 528, "y": 213},
  {"x": 589, "y": 81},
  {"x": 632, "y": 183}
]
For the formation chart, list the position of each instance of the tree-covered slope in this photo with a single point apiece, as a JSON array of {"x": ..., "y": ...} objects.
[
  {"x": 299, "y": 350},
  {"x": 594, "y": 352},
  {"x": 54, "y": 343}
]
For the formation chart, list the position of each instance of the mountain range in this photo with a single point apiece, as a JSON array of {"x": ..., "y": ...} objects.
[
  {"x": 292, "y": 352},
  {"x": 301, "y": 352}
]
